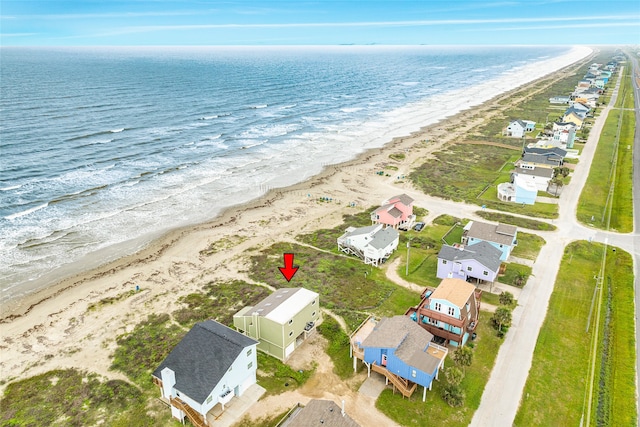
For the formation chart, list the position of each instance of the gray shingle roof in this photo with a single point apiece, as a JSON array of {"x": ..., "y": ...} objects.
[
  {"x": 483, "y": 252},
  {"x": 383, "y": 237},
  {"x": 488, "y": 232},
  {"x": 319, "y": 412},
  {"x": 407, "y": 338},
  {"x": 555, "y": 151},
  {"x": 395, "y": 212},
  {"x": 541, "y": 172},
  {"x": 540, "y": 159},
  {"x": 363, "y": 230},
  {"x": 202, "y": 358}
]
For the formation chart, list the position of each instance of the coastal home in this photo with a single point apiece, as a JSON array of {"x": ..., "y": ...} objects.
[
  {"x": 575, "y": 117},
  {"x": 539, "y": 177},
  {"x": 584, "y": 83},
  {"x": 281, "y": 322},
  {"x": 517, "y": 191},
  {"x": 399, "y": 349},
  {"x": 579, "y": 106},
  {"x": 556, "y": 153},
  {"x": 502, "y": 236},
  {"x": 450, "y": 311},
  {"x": 480, "y": 262},
  {"x": 600, "y": 83},
  {"x": 559, "y": 99},
  {"x": 210, "y": 366},
  {"x": 318, "y": 412},
  {"x": 373, "y": 244},
  {"x": 517, "y": 128},
  {"x": 397, "y": 212},
  {"x": 532, "y": 161},
  {"x": 566, "y": 137}
]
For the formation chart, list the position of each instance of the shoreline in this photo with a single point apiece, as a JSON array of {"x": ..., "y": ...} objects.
[
  {"x": 123, "y": 254},
  {"x": 53, "y": 328}
]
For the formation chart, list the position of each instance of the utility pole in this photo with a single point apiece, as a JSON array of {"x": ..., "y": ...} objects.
[{"x": 406, "y": 273}]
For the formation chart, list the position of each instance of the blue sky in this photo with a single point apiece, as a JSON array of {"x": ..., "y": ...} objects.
[{"x": 203, "y": 22}]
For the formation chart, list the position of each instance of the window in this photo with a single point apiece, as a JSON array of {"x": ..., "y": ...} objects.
[
  {"x": 230, "y": 368},
  {"x": 249, "y": 352},
  {"x": 500, "y": 245},
  {"x": 249, "y": 365},
  {"x": 444, "y": 261},
  {"x": 209, "y": 399},
  {"x": 291, "y": 321},
  {"x": 313, "y": 314},
  {"x": 469, "y": 268},
  {"x": 437, "y": 306},
  {"x": 451, "y": 311},
  {"x": 314, "y": 302},
  {"x": 291, "y": 333},
  {"x": 433, "y": 321},
  {"x": 485, "y": 272},
  {"x": 413, "y": 373}
]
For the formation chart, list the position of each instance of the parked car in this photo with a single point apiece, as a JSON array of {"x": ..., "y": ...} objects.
[{"x": 419, "y": 226}]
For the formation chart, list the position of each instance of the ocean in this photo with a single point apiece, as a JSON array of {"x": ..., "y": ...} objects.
[{"x": 110, "y": 147}]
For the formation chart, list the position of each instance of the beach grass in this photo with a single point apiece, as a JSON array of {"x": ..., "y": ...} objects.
[
  {"x": 595, "y": 200},
  {"x": 415, "y": 412},
  {"x": 337, "y": 347},
  {"x": 326, "y": 238},
  {"x": 519, "y": 222},
  {"x": 73, "y": 397},
  {"x": 556, "y": 391}
]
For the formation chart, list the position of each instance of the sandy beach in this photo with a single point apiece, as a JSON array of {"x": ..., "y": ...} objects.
[{"x": 53, "y": 328}]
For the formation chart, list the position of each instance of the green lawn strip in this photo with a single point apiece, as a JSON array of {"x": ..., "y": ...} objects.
[
  {"x": 594, "y": 196},
  {"x": 555, "y": 390},
  {"x": 70, "y": 397},
  {"x": 337, "y": 348},
  {"x": 519, "y": 222},
  {"x": 529, "y": 246},
  {"x": 327, "y": 238},
  {"x": 515, "y": 274},
  {"x": 415, "y": 412}
]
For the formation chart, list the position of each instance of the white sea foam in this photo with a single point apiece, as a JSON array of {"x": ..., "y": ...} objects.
[
  {"x": 26, "y": 212},
  {"x": 117, "y": 130},
  {"x": 11, "y": 187}
]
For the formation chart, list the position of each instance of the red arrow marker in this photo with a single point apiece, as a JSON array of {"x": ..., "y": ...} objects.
[{"x": 288, "y": 270}]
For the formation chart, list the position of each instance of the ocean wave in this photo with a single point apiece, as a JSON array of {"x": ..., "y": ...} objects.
[
  {"x": 117, "y": 130},
  {"x": 209, "y": 117},
  {"x": 91, "y": 135},
  {"x": 26, "y": 212},
  {"x": 257, "y": 107},
  {"x": 11, "y": 187}
]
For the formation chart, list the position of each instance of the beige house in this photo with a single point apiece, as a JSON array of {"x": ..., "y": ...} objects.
[{"x": 280, "y": 322}]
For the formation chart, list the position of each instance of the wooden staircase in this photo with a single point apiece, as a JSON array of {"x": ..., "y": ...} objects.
[
  {"x": 405, "y": 387},
  {"x": 196, "y": 419}
]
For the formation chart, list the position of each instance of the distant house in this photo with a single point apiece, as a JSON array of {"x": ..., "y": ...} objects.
[
  {"x": 399, "y": 349},
  {"x": 394, "y": 212},
  {"x": 578, "y": 106},
  {"x": 517, "y": 191},
  {"x": 584, "y": 83},
  {"x": 566, "y": 137},
  {"x": 575, "y": 117},
  {"x": 502, "y": 236},
  {"x": 281, "y": 322},
  {"x": 555, "y": 153},
  {"x": 480, "y": 262},
  {"x": 517, "y": 128},
  {"x": 318, "y": 412},
  {"x": 450, "y": 311},
  {"x": 600, "y": 83},
  {"x": 559, "y": 99},
  {"x": 373, "y": 244},
  {"x": 210, "y": 366}
]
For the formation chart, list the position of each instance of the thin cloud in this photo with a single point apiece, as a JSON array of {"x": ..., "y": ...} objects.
[{"x": 566, "y": 26}]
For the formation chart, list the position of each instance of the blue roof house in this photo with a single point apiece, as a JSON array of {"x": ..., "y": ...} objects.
[
  {"x": 501, "y": 236},
  {"x": 401, "y": 350}
]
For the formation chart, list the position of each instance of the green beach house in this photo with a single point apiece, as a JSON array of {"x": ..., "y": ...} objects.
[{"x": 280, "y": 322}]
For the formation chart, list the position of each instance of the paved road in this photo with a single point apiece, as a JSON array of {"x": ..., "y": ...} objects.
[{"x": 636, "y": 207}]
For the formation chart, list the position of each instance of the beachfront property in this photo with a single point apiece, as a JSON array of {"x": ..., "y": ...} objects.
[
  {"x": 207, "y": 369},
  {"x": 574, "y": 115},
  {"x": 450, "y": 311},
  {"x": 559, "y": 99},
  {"x": 517, "y": 191},
  {"x": 565, "y": 137},
  {"x": 396, "y": 212},
  {"x": 518, "y": 128},
  {"x": 501, "y": 236},
  {"x": 479, "y": 262},
  {"x": 399, "y": 349},
  {"x": 555, "y": 154},
  {"x": 318, "y": 412},
  {"x": 373, "y": 244},
  {"x": 281, "y": 322},
  {"x": 533, "y": 161}
]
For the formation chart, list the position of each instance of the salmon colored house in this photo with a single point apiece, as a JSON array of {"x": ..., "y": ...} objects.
[{"x": 395, "y": 212}]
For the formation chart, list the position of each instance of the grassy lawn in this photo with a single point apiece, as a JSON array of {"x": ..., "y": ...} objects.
[
  {"x": 556, "y": 387},
  {"x": 529, "y": 223},
  {"x": 529, "y": 246},
  {"x": 513, "y": 273},
  {"x": 594, "y": 196},
  {"x": 415, "y": 412},
  {"x": 338, "y": 348},
  {"x": 277, "y": 377}
]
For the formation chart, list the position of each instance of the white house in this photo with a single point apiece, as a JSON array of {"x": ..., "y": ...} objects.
[
  {"x": 538, "y": 177},
  {"x": 211, "y": 365},
  {"x": 517, "y": 128},
  {"x": 518, "y": 191},
  {"x": 373, "y": 244}
]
